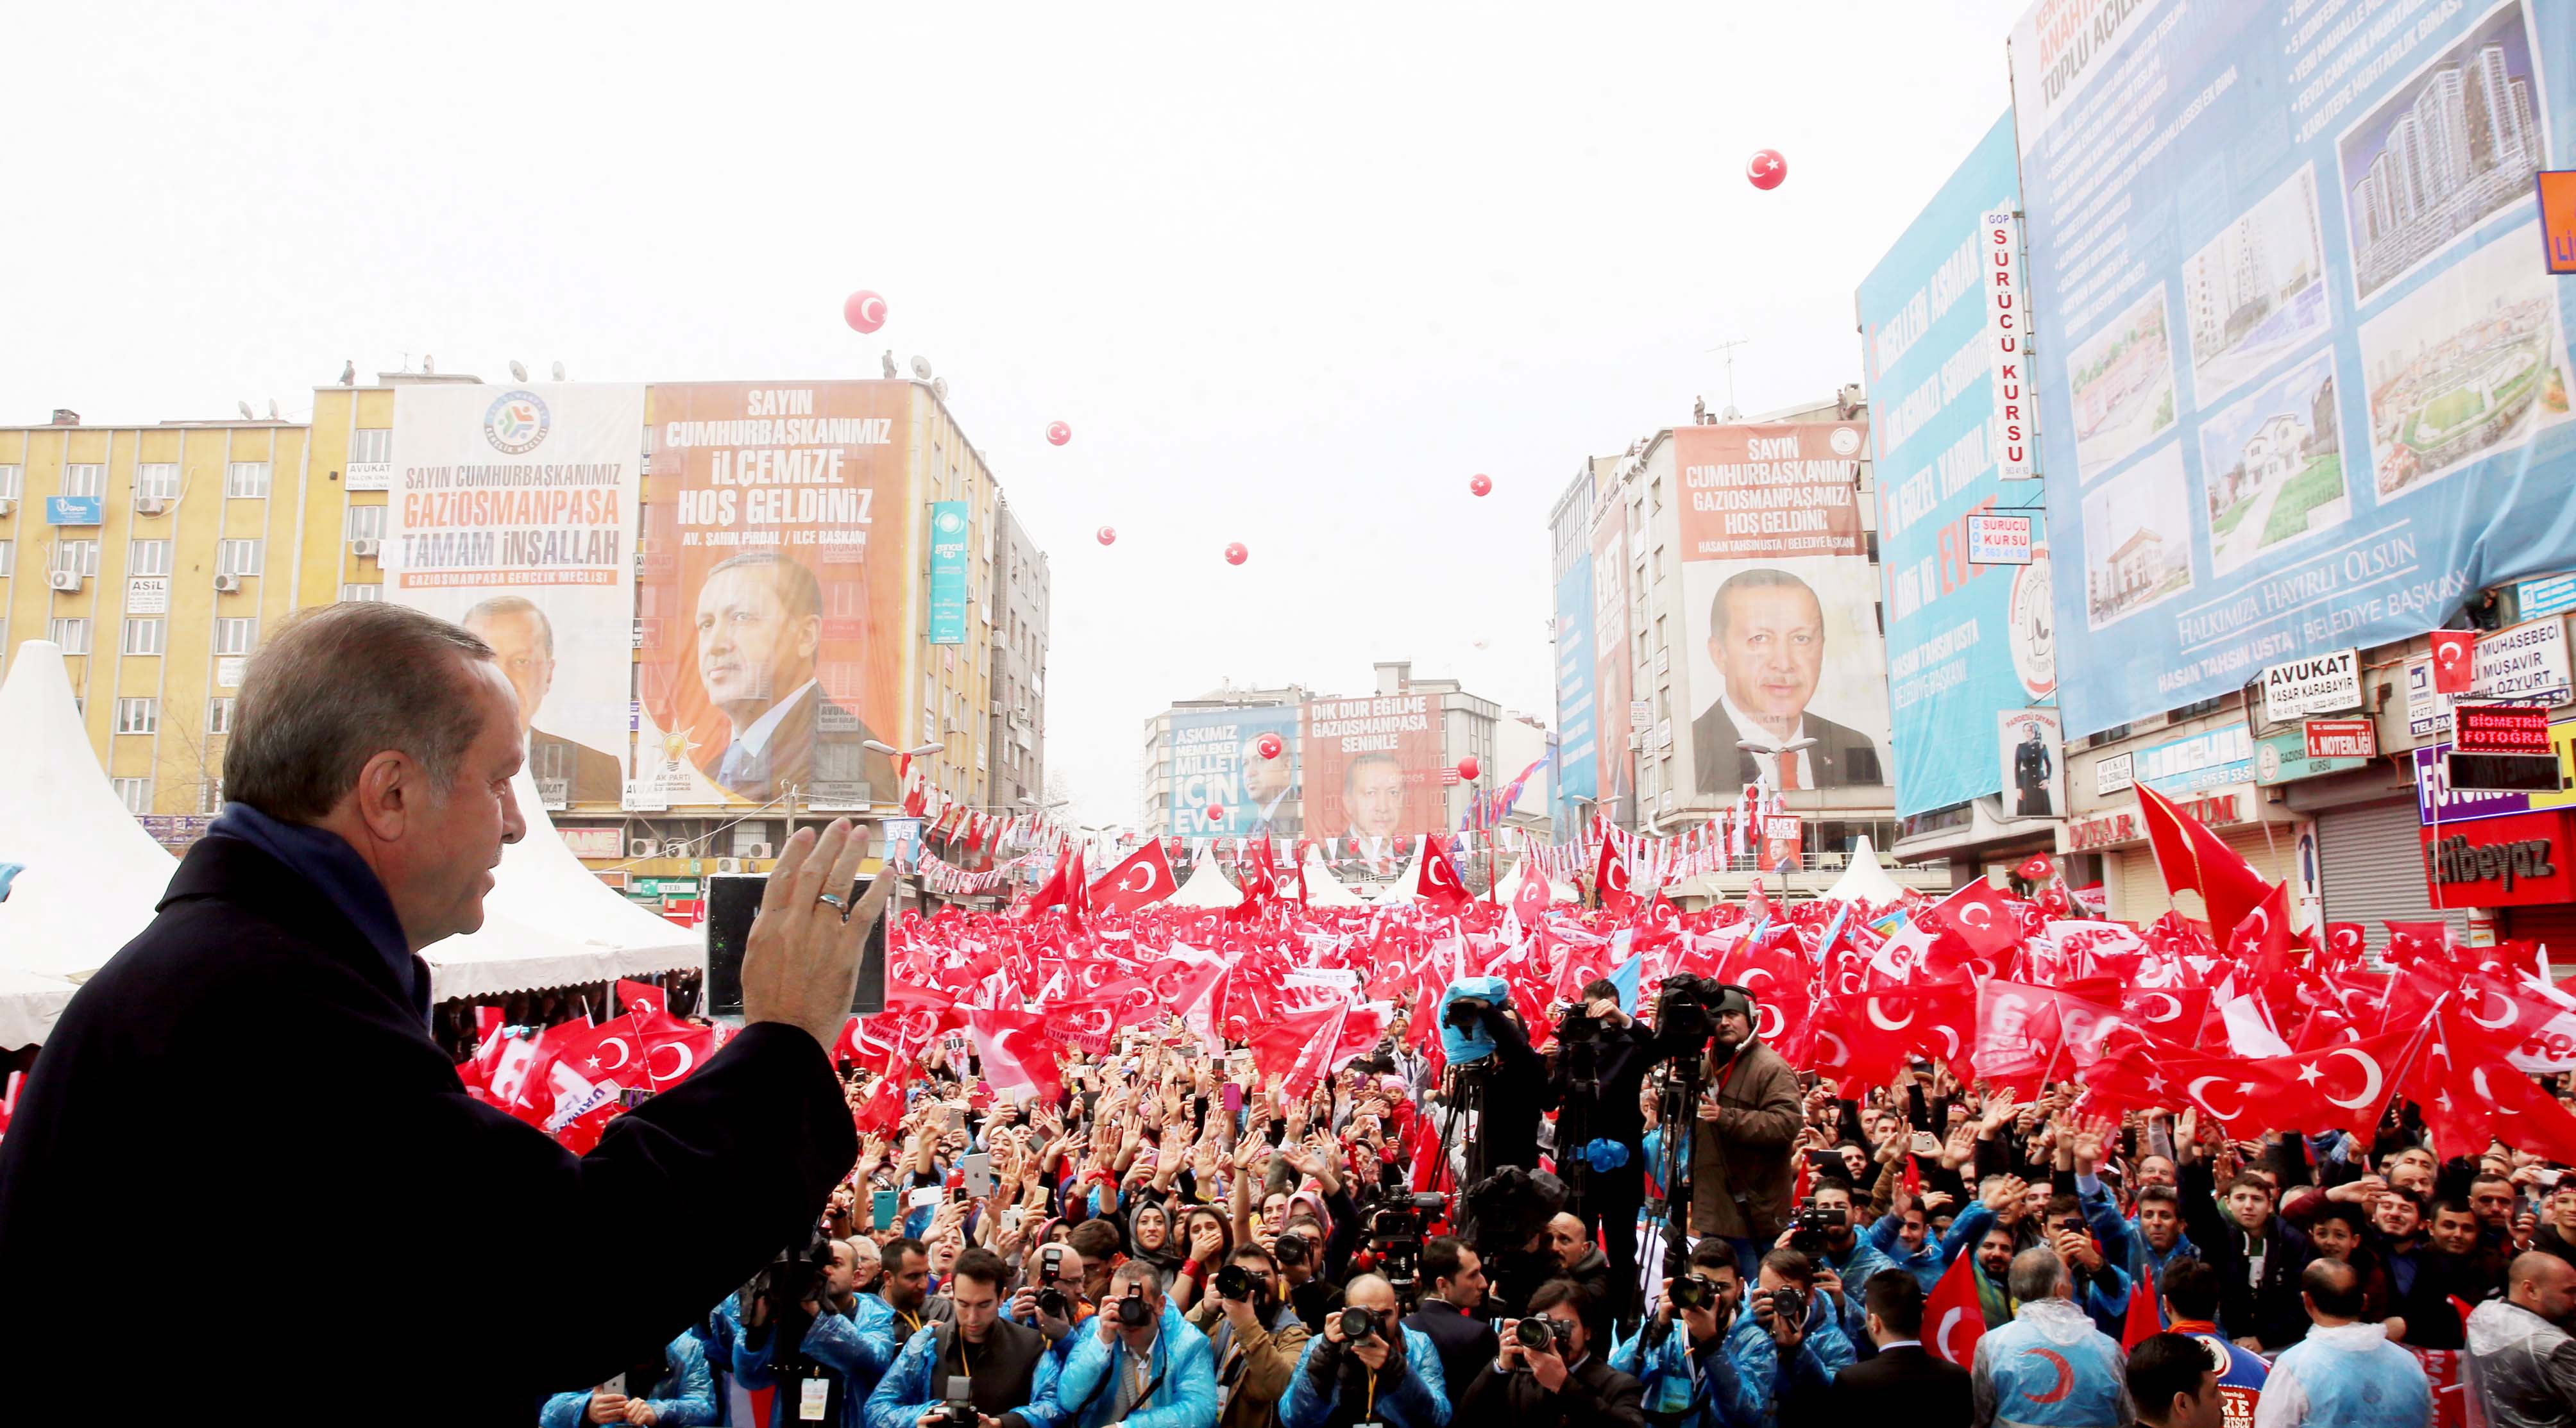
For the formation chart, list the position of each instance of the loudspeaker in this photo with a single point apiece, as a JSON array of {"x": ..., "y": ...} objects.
[{"x": 733, "y": 900}]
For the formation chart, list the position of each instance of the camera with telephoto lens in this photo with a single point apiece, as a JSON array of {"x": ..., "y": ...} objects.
[
  {"x": 1234, "y": 1282},
  {"x": 1358, "y": 1324},
  {"x": 1052, "y": 1301},
  {"x": 1398, "y": 1223},
  {"x": 1807, "y": 1232},
  {"x": 1694, "y": 1291},
  {"x": 1541, "y": 1333},
  {"x": 1686, "y": 1010},
  {"x": 1133, "y": 1311},
  {"x": 1466, "y": 1014}
]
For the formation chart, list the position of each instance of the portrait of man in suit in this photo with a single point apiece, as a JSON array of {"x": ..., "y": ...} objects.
[
  {"x": 1271, "y": 786},
  {"x": 1766, "y": 635},
  {"x": 1373, "y": 795},
  {"x": 759, "y": 633},
  {"x": 523, "y": 641}
]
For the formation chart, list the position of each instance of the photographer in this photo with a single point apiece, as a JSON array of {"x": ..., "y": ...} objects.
[
  {"x": 1142, "y": 1365},
  {"x": 1004, "y": 1365},
  {"x": 1366, "y": 1368},
  {"x": 817, "y": 1359},
  {"x": 1547, "y": 1375},
  {"x": 1599, "y": 1039},
  {"x": 1748, "y": 1119},
  {"x": 674, "y": 1390},
  {"x": 1823, "y": 1232},
  {"x": 1051, "y": 1302},
  {"x": 1453, "y": 1280},
  {"x": 1255, "y": 1336},
  {"x": 1688, "y": 1379},
  {"x": 1476, "y": 1025},
  {"x": 1789, "y": 1346}
]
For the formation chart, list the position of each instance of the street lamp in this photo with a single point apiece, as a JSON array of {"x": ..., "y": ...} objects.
[
  {"x": 1775, "y": 778},
  {"x": 891, "y": 751}
]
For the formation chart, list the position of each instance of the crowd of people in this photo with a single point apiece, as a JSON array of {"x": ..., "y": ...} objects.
[{"x": 1178, "y": 1240}]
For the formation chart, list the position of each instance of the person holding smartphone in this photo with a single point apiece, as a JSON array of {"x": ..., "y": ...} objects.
[{"x": 673, "y": 1390}]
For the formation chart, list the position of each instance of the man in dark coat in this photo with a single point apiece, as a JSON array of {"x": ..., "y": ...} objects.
[
  {"x": 263, "y": 1048},
  {"x": 1904, "y": 1382}
]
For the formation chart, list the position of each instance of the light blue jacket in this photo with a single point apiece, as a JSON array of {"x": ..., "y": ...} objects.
[
  {"x": 1857, "y": 1266},
  {"x": 692, "y": 1400},
  {"x": 858, "y": 1349},
  {"x": 1419, "y": 1400},
  {"x": 1678, "y": 1375},
  {"x": 1825, "y": 1352},
  {"x": 1084, "y": 1396},
  {"x": 2051, "y": 1368},
  {"x": 1924, "y": 1264},
  {"x": 2349, "y": 1376},
  {"x": 912, "y": 1385}
]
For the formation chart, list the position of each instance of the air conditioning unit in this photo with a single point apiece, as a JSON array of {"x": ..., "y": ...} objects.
[
  {"x": 66, "y": 580},
  {"x": 1636, "y": 742},
  {"x": 759, "y": 850},
  {"x": 675, "y": 848},
  {"x": 226, "y": 584},
  {"x": 7, "y": 505},
  {"x": 150, "y": 505},
  {"x": 728, "y": 865},
  {"x": 363, "y": 547},
  {"x": 639, "y": 847}
]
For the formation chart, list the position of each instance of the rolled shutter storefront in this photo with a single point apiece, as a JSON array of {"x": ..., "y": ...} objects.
[
  {"x": 2370, "y": 862},
  {"x": 2551, "y": 924}
]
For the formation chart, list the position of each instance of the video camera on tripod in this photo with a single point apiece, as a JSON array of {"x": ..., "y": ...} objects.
[{"x": 1398, "y": 1223}]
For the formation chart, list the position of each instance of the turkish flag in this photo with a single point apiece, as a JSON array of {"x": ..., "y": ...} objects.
[
  {"x": 2455, "y": 661},
  {"x": 1143, "y": 879},
  {"x": 882, "y": 1111},
  {"x": 1438, "y": 883},
  {"x": 2341, "y": 1087},
  {"x": 1529, "y": 902},
  {"x": 1977, "y": 919},
  {"x": 1953, "y": 1320},
  {"x": 2144, "y": 1320},
  {"x": 1017, "y": 1053},
  {"x": 641, "y": 998},
  {"x": 2526, "y": 1117},
  {"x": 1610, "y": 879},
  {"x": 1050, "y": 892},
  {"x": 2191, "y": 857},
  {"x": 1289, "y": 1038}
]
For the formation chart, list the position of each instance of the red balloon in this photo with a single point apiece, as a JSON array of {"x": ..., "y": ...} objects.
[
  {"x": 1269, "y": 746},
  {"x": 1059, "y": 433},
  {"x": 1108, "y": 535},
  {"x": 1480, "y": 484},
  {"x": 863, "y": 310},
  {"x": 1216, "y": 813},
  {"x": 1235, "y": 554},
  {"x": 1468, "y": 768},
  {"x": 1767, "y": 169}
]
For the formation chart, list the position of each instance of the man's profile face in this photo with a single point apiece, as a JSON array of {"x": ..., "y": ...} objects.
[
  {"x": 978, "y": 1304},
  {"x": 2550, "y": 1293},
  {"x": 907, "y": 1283},
  {"x": 1772, "y": 649},
  {"x": 1264, "y": 779},
  {"x": 837, "y": 1280},
  {"x": 439, "y": 866},
  {"x": 1467, "y": 1287},
  {"x": 867, "y": 1265},
  {"x": 1375, "y": 797},
  {"x": 752, "y": 651},
  {"x": 518, "y": 641}
]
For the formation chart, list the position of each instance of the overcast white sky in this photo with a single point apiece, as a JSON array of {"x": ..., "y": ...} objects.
[{"x": 1292, "y": 277}]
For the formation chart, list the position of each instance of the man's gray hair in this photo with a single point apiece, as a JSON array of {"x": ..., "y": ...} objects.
[
  {"x": 797, "y": 588},
  {"x": 503, "y": 605},
  {"x": 1137, "y": 1271},
  {"x": 2037, "y": 1273},
  {"x": 337, "y": 686},
  {"x": 1758, "y": 578}
]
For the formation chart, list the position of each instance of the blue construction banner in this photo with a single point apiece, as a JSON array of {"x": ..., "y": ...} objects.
[
  {"x": 1963, "y": 640},
  {"x": 2302, "y": 373},
  {"x": 1215, "y": 760},
  {"x": 948, "y": 538},
  {"x": 1577, "y": 774}
]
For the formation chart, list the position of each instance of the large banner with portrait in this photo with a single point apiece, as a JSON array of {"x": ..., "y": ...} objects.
[
  {"x": 1782, "y": 649},
  {"x": 513, "y": 514},
  {"x": 1372, "y": 770},
  {"x": 2302, "y": 369},
  {"x": 1214, "y": 759},
  {"x": 1615, "y": 767},
  {"x": 778, "y": 601}
]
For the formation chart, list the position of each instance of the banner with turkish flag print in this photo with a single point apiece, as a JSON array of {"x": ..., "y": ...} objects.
[
  {"x": 1438, "y": 883},
  {"x": 2193, "y": 859},
  {"x": 2455, "y": 661},
  {"x": 1141, "y": 880},
  {"x": 2344, "y": 1087},
  {"x": 1953, "y": 1320}
]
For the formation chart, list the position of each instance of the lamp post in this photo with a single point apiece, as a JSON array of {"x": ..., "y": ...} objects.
[
  {"x": 924, "y": 751},
  {"x": 1772, "y": 779}
]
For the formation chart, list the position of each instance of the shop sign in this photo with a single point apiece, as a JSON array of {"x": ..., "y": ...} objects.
[
  {"x": 2549, "y": 595},
  {"x": 2212, "y": 758},
  {"x": 2499, "y": 862},
  {"x": 662, "y": 887},
  {"x": 605, "y": 843},
  {"x": 2500, "y": 729},
  {"x": 2524, "y": 664},
  {"x": 2111, "y": 774},
  {"x": 2287, "y": 757},
  {"x": 2321, "y": 684},
  {"x": 2340, "y": 739},
  {"x": 1998, "y": 540},
  {"x": 2216, "y": 810}
]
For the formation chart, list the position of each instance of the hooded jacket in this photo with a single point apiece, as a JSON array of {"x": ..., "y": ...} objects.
[
  {"x": 1410, "y": 1393},
  {"x": 1741, "y": 1176},
  {"x": 1183, "y": 1365}
]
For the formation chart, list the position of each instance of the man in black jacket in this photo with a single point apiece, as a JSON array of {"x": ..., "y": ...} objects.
[
  {"x": 2257, "y": 1254},
  {"x": 370, "y": 770},
  {"x": 1608, "y": 1170},
  {"x": 1904, "y": 1383},
  {"x": 1565, "y": 1385},
  {"x": 997, "y": 1358},
  {"x": 1453, "y": 1280}
]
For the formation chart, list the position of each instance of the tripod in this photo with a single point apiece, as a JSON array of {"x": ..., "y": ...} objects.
[
  {"x": 1677, "y": 1109},
  {"x": 1581, "y": 1058},
  {"x": 1464, "y": 1090}
]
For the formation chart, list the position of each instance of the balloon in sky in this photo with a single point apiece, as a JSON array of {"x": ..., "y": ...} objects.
[
  {"x": 1235, "y": 554},
  {"x": 1767, "y": 169},
  {"x": 1059, "y": 433},
  {"x": 1107, "y": 535},
  {"x": 1269, "y": 746},
  {"x": 1468, "y": 768},
  {"x": 1480, "y": 484},
  {"x": 863, "y": 310}
]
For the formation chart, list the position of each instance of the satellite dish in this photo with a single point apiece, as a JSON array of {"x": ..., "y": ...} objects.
[
  {"x": 939, "y": 388},
  {"x": 244, "y": 408},
  {"x": 559, "y": 373},
  {"x": 921, "y": 368},
  {"x": 272, "y": 410},
  {"x": 518, "y": 372}
]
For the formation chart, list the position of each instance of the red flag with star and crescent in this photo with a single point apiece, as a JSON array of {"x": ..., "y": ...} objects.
[
  {"x": 1141, "y": 880},
  {"x": 1438, "y": 883},
  {"x": 1953, "y": 1320}
]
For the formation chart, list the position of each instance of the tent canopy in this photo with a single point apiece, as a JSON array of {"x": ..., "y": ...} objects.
[
  {"x": 1206, "y": 887},
  {"x": 93, "y": 876},
  {"x": 1325, "y": 890},
  {"x": 1864, "y": 881}
]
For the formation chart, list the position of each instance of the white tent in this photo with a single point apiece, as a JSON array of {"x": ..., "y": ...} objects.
[
  {"x": 1508, "y": 886},
  {"x": 1407, "y": 881},
  {"x": 1325, "y": 890},
  {"x": 1863, "y": 881},
  {"x": 1207, "y": 887},
  {"x": 92, "y": 874},
  {"x": 30, "y": 1003}
]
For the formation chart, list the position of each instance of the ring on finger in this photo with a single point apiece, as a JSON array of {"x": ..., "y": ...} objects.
[{"x": 837, "y": 902}]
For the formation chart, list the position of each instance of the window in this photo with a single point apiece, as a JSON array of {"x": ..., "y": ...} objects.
[
  {"x": 145, "y": 636},
  {"x": 366, "y": 523},
  {"x": 71, "y": 633},
  {"x": 246, "y": 479},
  {"x": 369, "y": 593},
  {"x": 11, "y": 477},
  {"x": 8, "y": 559},
  {"x": 210, "y": 796},
  {"x": 1659, "y": 564},
  {"x": 156, "y": 481},
  {"x": 138, "y": 716},
  {"x": 1655, "y": 494},
  {"x": 238, "y": 557},
  {"x": 147, "y": 557},
  {"x": 135, "y": 794},
  {"x": 84, "y": 480},
  {"x": 219, "y": 715},
  {"x": 80, "y": 557},
  {"x": 2197, "y": 708},
  {"x": 370, "y": 446},
  {"x": 236, "y": 635}
]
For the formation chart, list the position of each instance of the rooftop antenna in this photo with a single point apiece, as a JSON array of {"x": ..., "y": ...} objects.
[{"x": 1728, "y": 347}]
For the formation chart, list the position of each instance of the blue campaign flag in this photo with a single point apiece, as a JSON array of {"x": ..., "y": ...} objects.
[{"x": 1624, "y": 977}]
